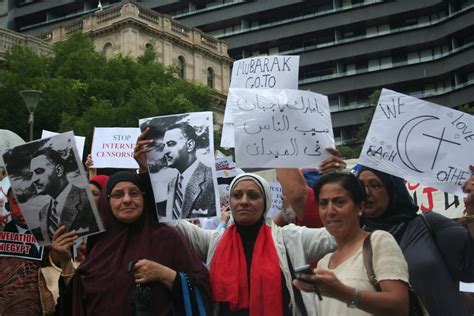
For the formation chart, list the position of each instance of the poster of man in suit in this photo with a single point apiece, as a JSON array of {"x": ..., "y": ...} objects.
[
  {"x": 181, "y": 165},
  {"x": 50, "y": 185}
]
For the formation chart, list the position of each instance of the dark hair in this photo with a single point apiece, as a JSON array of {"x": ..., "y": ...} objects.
[
  {"x": 188, "y": 131},
  {"x": 348, "y": 181},
  {"x": 52, "y": 155}
]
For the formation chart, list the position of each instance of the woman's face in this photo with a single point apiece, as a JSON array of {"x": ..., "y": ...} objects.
[
  {"x": 95, "y": 193},
  {"x": 126, "y": 201},
  {"x": 246, "y": 202},
  {"x": 377, "y": 194},
  {"x": 338, "y": 212}
]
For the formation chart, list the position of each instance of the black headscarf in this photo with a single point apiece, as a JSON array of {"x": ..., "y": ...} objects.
[
  {"x": 401, "y": 207},
  {"x": 102, "y": 284}
]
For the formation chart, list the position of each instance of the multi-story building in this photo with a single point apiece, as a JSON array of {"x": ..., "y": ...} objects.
[
  {"x": 129, "y": 29},
  {"x": 347, "y": 48}
]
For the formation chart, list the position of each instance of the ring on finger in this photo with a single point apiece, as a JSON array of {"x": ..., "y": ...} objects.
[{"x": 337, "y": 165}]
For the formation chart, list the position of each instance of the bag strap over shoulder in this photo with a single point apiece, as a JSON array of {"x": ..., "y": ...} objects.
[
  {"x": 416, "y": 307},
  {"x": 367, "y": 256}
]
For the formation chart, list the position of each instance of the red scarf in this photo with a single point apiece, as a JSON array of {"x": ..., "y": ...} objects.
[{"x": 229, "y": 280}]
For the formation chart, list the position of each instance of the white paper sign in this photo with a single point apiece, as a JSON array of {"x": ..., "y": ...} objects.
[
  {"x": 466, "y": 287},
  {"x": 419, "y": 140},
  {"x": 112, "y": 147},
  {"x": 263, "y": 72},
  {"x": 431, "y": 199},
  {"x": 226, "y": 172},
  {"x": 280, "y": 128},
  {"x": 266, "y": 72},
  {"x": 277, "y": 199},
  {"x": 80, "y": 141}
]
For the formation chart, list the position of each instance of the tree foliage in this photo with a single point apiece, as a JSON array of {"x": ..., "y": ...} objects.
[{"x": 82, "y": 89}]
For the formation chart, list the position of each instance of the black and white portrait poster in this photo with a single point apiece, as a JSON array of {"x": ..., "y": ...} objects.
[
  {"x": 181, "y": 165},
  {"x": 51, "y": 187}
]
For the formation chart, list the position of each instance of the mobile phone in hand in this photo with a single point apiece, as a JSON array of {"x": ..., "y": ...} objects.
[{"x": 306, "y": 269}]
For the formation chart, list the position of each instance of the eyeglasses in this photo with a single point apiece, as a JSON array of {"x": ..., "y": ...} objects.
[
  {"x": 119, "y": 194},
  {"x": 373, "y": 186}
]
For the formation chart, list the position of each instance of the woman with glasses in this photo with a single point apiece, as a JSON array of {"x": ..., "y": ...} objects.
[
  {"x": 134, "y": 255},
  {"x": 438, "y": 255}
]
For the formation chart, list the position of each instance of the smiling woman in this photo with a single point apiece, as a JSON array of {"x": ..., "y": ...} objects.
[
  {"x": 133, "y": 251},
  {"x": 341, "y": 276}
]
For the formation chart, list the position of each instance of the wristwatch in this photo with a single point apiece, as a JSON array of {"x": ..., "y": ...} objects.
[{"x": 354, "y": 303}]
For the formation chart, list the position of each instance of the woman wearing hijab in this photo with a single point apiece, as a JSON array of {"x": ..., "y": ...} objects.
[
  {"x": 155, "y": 255},
  {"x": 96, "y": 184},
  {"x": 438, "y": 258},
  {"x": 251, "y": 261}
]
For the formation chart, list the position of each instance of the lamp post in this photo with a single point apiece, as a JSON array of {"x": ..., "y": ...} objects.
[{"x": 31, "y": 98}]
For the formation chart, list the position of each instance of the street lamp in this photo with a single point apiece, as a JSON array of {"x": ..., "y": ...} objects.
[{"x": 31, "y": 98}]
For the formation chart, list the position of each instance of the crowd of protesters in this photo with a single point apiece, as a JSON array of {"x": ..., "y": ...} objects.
[{"x": 251, "y": 265}]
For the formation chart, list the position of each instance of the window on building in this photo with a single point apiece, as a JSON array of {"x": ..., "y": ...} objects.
[
  {"x": 149, "y": 46},
  {"x": 181, "y": 67},
  {"x": 107, "y": 50},
  {"x": 210, "y": 77}
]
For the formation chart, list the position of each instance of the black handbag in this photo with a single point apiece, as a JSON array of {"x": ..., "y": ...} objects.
[
  {"x": 416, "y": 307},
  {"x": 141, "y": 301}
]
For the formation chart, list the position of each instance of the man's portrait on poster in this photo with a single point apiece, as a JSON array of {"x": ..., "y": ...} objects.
[
  {"x": 52, "y": 189},
  {"x": 190, "y": 189}
]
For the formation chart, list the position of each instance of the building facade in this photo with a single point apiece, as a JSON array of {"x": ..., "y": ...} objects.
[{"x": 347, "y": 48}]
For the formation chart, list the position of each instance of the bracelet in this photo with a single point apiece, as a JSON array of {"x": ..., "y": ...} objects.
[
  {"x": 468, "y": 219},
  {"x": 55, "y": 267},
  {"x": 354, "y": 303}
]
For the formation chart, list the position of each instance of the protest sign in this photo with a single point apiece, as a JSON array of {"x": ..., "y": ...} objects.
[
  {"x": 262, "y": 72},
  {"x": 421, "y": 141},
  {"x": 266, "y": 72},
  {"x": 181, "y": 165},
  {"x": 20, "y": 245},
  {"x": 80, "y": 141},
  {"x": 431, "y": 199},
  {"x": 112, "y": 147},
  {"x": 226, "y": 172},
  {"x": 51, "y": 187},
  {"x": 280, "y": 128},
  {"x": 277, "y": 199}
]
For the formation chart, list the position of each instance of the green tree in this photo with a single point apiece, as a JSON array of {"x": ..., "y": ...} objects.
[
  {"x": 468, "y": 108},
  {"x": 83, "y": 90}
]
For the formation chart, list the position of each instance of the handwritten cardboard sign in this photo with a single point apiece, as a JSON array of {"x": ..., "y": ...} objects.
[
  {"x": 419, "y": 140},
  {"x": 266, "y": 72},
  {"x": 20, "y": 246},
  {"x": 112, "y": 147},
  {"x": 280, "y": 128},
  {"x": 263, "y": 72},
  {"x": 80, "y": 141}
]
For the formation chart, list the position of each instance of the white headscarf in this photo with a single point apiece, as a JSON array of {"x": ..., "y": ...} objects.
[{"x": 260, "y": 182}]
